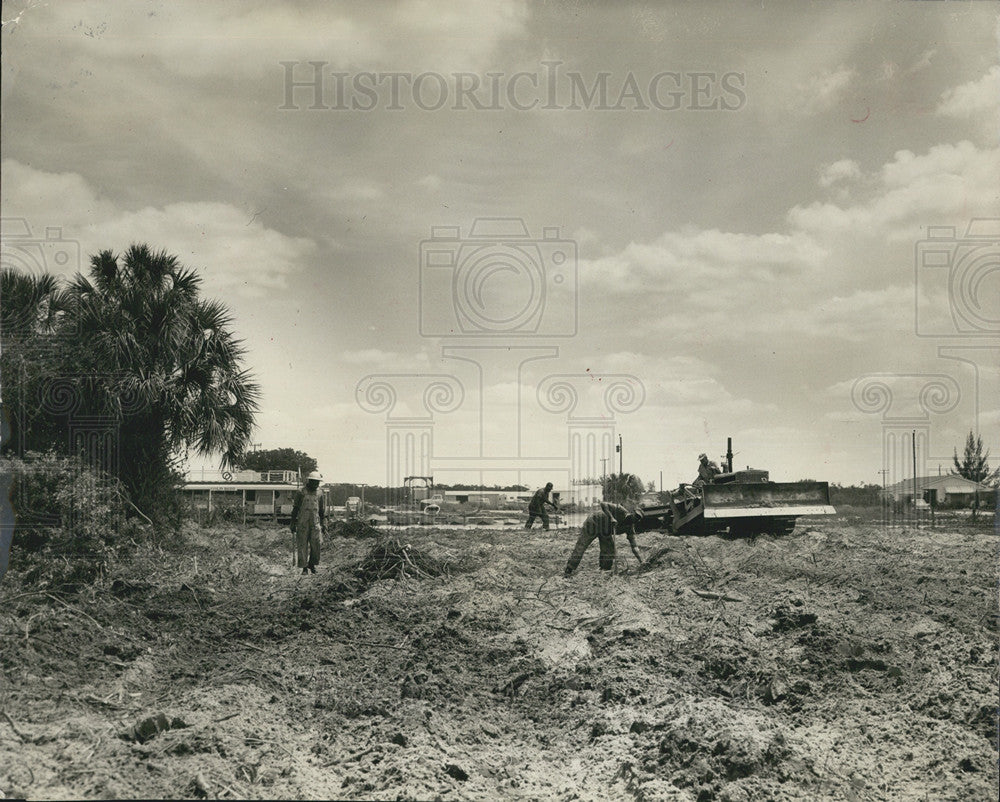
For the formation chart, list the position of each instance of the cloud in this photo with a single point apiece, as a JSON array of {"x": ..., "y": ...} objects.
[
  {"x": 912, "y": 190},
  {"x": 853, "y": 317},
  {"x": 923, "y": 62},
  {"x": 888, "y": 71},
  {"x": 354, "y": 190},
  {"x": 343, "y": 412},
  {"x": 671, "y": 386},
  {"x": 197, "y": 40},
  {"x": 684, "y": 258},
  {"x": 369, "y": 356},
  {"x": 430, "y": 182},
  {"x": 585, "y": 237},
  {"x": 892, "y": 399},
  {"x": 49, "y": 199},
  {"x": 974, "y": 98},
  {"x": 468, "y": 32},
  {"x": 843, "y": 170},
  {"x": 824, "y": 90},
  {"x": 822, "y": 280},
  {"x": 379, "y": 360},
  {"x": 229, "y": 248},
  {"x": 858, "y": 317}
]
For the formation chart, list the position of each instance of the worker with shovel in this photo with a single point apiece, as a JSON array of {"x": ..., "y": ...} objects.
[
  {"x": 603, "y": 526},
  {"x": 536, "y": 507},
  {"x": 309, "y": 523}
]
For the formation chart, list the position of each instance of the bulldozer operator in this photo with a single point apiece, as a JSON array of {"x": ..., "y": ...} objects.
[
  {"x": 707, "y": 471},
  {"x": 603, "y": 525}
]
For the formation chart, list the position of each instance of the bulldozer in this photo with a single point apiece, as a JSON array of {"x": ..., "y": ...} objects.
[{"x": 738, "y": 503}]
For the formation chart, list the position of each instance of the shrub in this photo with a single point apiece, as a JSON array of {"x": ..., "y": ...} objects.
[{"x": 70, "y": 521}]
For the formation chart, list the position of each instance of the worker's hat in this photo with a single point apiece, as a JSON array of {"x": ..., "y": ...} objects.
[
  {"x": 703, "y": 456},
  {"x": 315, "y": 475}
]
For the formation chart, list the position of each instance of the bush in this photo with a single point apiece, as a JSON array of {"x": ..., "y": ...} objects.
[{"x": 70, "y": 522}]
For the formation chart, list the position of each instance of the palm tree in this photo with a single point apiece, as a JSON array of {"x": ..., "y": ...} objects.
[
  {"x": 31, "y": 309},
  {"x": 164, "y": 363},
  {"x": 624, "y": 488},
  {"x": 29, "y": 304}
]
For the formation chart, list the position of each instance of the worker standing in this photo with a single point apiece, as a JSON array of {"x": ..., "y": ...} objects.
[
  {"x": 309, "y": 523},
  {"x": 536, "y": 507},
  {"x": 603, "y": 525}
]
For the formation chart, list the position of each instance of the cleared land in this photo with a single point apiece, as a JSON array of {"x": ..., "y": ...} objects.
[{"x": 841, "y": 662}]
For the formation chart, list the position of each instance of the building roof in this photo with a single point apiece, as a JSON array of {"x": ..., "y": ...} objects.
[
  {"x": 234, "y": 486},
  {"x": 946, "y": 483},
  {"x": 220, "y": 476}
]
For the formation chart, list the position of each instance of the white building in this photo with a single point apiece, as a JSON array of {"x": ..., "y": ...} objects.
[
  {"x": 258, "y": 494},
  {"x": 948, "y": 490}
]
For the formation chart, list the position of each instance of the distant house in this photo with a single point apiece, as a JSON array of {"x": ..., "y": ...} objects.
[
  {"x": 583, "y": 495},
  {"x": 948, "y": 490},
  {"x": 493, "y": 499},
  {"x": 478, "y": 498},
  {"x": 258, "y": 494}
]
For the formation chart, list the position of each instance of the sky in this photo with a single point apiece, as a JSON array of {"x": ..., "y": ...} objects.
[{"x": 486, "y": 240}]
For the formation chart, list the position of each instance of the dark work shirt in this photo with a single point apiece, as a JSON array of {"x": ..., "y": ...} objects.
[{"x": 539, "y": 500}]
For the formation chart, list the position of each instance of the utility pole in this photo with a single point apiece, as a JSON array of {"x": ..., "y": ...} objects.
[
  {"x": 885, "y": 498},
  {"x": 604, "y": 478},
  {"x": 915, "y": 510},
  {"x": 619, "y": 449}
]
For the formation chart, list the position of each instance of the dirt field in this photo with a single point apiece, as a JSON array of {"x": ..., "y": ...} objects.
[{"x": 840, "y": 662}]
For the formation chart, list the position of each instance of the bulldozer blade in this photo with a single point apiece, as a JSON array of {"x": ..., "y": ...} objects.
[{"x": 767, "y": 500}]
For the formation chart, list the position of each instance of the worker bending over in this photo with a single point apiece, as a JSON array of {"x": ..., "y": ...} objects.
[{"x": 603, "y": 525}]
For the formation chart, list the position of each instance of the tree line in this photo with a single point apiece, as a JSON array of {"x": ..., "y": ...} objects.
[{"x": 126, "y": 369}]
